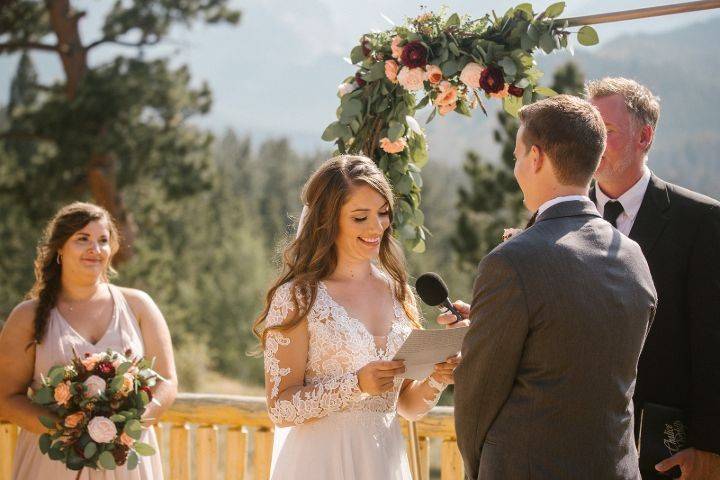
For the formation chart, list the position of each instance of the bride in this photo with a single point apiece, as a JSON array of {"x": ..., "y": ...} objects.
[{"x": 333, "y": 321}]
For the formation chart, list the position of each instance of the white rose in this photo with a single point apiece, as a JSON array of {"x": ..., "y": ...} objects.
[
  {"x": 95, "y": 386},
  {"x": 102, "y": 430},
  {"x": 345, "y": 88}
]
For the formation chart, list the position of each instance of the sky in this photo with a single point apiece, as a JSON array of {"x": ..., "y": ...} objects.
[{"x": 276, "y": 73}]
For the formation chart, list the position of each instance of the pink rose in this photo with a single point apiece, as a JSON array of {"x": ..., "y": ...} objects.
[
  {"x": 470, "y": 75},
  {"x": 411, "y": 78},
  {"x": 95, "y": 386},
  {"x": 393, "y": 147},
  {"x": 62, "y": 393},
  {"x": 447, "y": 96},
  {"x": 126, "y": 440},
  {"x": 396, "y": 48},
  {"x": 434, "y": 74},
  {"x": 391, "y": 70},
  {"x": 102, "y": 430},
  {"x": 445, "y": 109},
  {"x": 72, "y": 421}
]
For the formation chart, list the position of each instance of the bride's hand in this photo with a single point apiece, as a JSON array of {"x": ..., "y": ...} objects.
[
  {"x": 444, "y": 372},
  {"x": 448, "y": 318},
  {"x": 379, "y": 376}
]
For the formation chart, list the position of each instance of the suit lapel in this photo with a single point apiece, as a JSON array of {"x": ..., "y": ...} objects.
[{"x": 652, "y": 216}]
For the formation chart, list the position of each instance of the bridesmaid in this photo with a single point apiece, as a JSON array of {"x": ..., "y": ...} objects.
[{"x": 73, "y": 306}]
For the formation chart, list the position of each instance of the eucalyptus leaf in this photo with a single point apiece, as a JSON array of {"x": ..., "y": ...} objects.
[
  {"x": 395, "y": 130},
  {"x": 90, "y": 450},
  {"x": 547, "y": 42},
  {"x": 356, "y": 54},
  {"x": 449, "y": 68},
  {"x": 107, "y": 461},
  {"x": 134, "y": 429},
  {"x": 377, "y": 71},
  {"x": 512, "y": 105},
  {"x": 132, "y": 461},
  {"x": 508, "y": 66},
  {"x": 453, "y": 21},
  {"x": 43, "y": 396},
  {"x": 45, "y": 443},
  {"x": 555, "y": 10},
  {"x": 419, "y": 247},
  {"x": 545, "y": 91},
  {"x": 143, "y": 449},
  {"x": 432, "y": 115},
  {"x": 587, "y": 36},
  {"x": 47, "y": 422}
]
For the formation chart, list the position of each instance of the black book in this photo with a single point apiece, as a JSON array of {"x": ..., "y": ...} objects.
[{"x": 663, "y": 433}]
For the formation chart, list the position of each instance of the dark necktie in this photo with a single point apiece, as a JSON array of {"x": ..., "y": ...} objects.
[
  {"x": 531, "y": 222},
  {"x": 612, "y": 211}
]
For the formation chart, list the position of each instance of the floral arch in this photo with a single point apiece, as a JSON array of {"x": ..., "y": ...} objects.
[{"x": 455, "y": 63}]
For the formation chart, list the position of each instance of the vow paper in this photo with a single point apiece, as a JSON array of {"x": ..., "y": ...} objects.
[{"x": 424, "y": 348}]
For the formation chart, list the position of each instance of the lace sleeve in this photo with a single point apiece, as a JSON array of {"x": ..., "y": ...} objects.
[{"x": 289, "y": 400}]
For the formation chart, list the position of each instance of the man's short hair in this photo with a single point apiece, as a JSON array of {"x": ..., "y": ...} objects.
[
  {"x": 570, "y": 131},
  {"x": 639, "y": 100}
]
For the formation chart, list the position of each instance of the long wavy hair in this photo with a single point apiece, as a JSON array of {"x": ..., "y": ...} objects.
[
  {"x": 312, "y": 255},
  {"x": 48, "y": 268}
]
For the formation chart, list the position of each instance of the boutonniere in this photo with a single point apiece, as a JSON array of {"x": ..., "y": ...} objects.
[{"x": 508, "y": 233}]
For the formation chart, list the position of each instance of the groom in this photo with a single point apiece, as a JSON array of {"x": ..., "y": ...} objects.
[{"x": 558, "y": 319}]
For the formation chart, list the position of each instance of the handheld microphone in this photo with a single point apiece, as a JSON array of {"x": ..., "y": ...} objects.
[{"x": 433, "y": 291}]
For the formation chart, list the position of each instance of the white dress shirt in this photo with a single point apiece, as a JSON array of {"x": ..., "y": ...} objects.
[
  {"x": 630, "y": 201},
  {"x": 556, "y": 200}
]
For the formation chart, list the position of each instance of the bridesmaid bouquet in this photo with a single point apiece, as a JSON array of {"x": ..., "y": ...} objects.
[{"x": 100, "y": 400}]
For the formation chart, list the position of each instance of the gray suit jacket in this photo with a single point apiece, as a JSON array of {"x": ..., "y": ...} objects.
[{"x": 559, "y": 316}]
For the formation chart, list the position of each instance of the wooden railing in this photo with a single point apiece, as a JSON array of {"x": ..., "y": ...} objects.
[{"x": 209, "y": 437}]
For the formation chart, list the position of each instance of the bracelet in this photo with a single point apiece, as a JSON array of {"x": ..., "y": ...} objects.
[{"x": 435, "y": 385}]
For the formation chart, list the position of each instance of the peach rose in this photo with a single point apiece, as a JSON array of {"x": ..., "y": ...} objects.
[
  {"x": 90, "y": 362},
  {"x": 72, "y": 421},
  {"x": 95, "y": 386},
  {"x": 62, "y": 393},
  {"x": 448, "y": 95},
  {"x": 126, "y": 440},
  {"x": 445, "y": 109},
  {"x": 395, "y": 47},
  {"x": 411, "y": 78},
  {"x": 391, "y": 70},
  {"x": 393, "y": 147},
  {"x": 502, "y": 93},
  {"x": 434, "y": 74},
  {"x": 128, "y": 384},
  {"x": 470, "y": 75},
  {"x": 102, "y": 430}
]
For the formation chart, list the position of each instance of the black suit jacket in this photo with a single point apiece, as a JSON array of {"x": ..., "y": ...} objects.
[{"x": 679, "y": 233}]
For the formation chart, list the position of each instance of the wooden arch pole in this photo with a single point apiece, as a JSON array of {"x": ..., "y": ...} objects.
[{"x": 642, "y": 13}]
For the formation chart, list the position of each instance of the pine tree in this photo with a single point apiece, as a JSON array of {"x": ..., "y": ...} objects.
[
  {"x": 105, "y": 127},
  {"x": 493, "y": 201}
]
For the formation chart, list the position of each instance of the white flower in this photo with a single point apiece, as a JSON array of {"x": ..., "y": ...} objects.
[
  {"x": 102, "y": 430},
  {"x": 508, "y": 233},
  {"x": 95, "y": 385},
  {"x": 413, "y": 124},
  {"x": 345, "y": 88}
]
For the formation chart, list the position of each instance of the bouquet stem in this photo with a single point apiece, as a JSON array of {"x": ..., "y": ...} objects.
[{"x": 79, "y": 473}]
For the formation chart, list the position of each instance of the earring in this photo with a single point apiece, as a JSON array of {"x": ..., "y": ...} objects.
[{"x": 58, "y": 258}]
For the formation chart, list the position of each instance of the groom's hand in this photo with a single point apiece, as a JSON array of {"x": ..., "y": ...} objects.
[
  {"x": 450, "y": 320},
  {"x": 379, "y": 376},
  {"x": 694, "y": 464}
]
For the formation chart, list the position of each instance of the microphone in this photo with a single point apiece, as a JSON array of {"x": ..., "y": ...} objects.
[{"x": 433, "y": 291}]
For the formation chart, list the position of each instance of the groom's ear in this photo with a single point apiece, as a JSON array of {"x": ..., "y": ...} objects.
[{"x": 538, "y": 158}]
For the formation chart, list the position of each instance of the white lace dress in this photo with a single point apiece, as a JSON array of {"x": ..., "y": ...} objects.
[{"x": 338, "y": 433}]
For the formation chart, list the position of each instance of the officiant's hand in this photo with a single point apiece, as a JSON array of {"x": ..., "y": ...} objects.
[
  {"x": 379, "y": 376},
  {"x": 445, "y": 372},
  {"x": 695, "y": 464},
  {"x": 448, "y": 318}
]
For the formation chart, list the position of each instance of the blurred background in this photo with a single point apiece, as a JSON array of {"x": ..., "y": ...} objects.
[{"x": 198, "y": 123}]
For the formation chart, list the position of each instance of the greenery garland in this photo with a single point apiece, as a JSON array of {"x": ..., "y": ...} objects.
[{"x": 456, "y": 62}]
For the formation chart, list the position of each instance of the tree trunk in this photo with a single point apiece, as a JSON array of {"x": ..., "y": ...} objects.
[{"x": 102, "y": 166}]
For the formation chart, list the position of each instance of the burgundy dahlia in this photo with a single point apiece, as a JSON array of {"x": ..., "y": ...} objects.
[
  {"x": 120, "y": 453},
  {"x": 365, "y": 44},
  {"x": 105, "y": 369},
  {"x": 492, "y": 80},
  {"x": 414, "y": 55},
  {"x": 515, "y": 91},
  {"x": 359, "y": 80}
]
